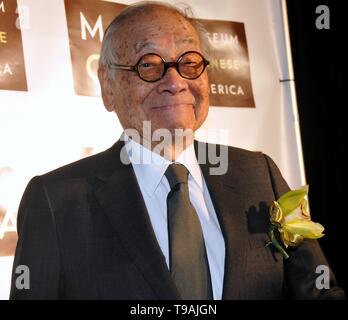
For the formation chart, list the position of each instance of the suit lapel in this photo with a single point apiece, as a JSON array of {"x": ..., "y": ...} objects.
[
  {"x": 122, "y": 202},
  {"x": 120, "y": 198},
  {"x": 226, "y": 196}
]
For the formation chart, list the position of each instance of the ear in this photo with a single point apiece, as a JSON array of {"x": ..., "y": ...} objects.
[{"x": 106, "y": 89}]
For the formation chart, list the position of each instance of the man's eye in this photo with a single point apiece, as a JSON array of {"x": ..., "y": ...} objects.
[
  {"x": 149, "y": 65},
  {"x": 146, "y": 65},
  {"x": 190, "y": 63}
]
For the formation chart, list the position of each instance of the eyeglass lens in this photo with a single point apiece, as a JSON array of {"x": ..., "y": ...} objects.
[{"x": 151, "y": 67}]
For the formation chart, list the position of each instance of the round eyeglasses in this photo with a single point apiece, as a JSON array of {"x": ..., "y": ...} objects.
[{"x": 152, "y": 67}]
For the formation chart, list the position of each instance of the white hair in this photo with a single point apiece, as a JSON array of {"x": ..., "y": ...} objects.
[{"x": 108, "y": 49}]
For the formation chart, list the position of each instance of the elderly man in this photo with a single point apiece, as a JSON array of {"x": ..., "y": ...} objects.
[{"x": 164, "y": 228}]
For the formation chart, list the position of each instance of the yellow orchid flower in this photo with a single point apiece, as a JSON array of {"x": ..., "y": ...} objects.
[{"x": 290, "y": 217}]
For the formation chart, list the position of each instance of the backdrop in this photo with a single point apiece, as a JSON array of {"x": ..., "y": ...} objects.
[
  {"x": 318, "y": 55},
  {"x": 51, "y": 112}
]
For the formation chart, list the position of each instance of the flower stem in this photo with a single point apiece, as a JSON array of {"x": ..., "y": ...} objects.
[{"x": 275, "y": 242}]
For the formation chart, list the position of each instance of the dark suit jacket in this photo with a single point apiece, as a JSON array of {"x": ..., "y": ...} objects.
[{"x": 84, "y": 233}]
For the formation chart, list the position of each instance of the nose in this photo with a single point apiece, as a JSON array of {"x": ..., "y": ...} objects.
[{"x": 172, "y": 82}]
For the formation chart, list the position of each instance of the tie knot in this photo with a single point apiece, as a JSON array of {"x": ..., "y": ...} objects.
[{"x": 176, "y": 173}]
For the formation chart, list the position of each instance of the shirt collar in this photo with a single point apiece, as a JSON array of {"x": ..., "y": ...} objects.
[{"x": 150, "y": 166}]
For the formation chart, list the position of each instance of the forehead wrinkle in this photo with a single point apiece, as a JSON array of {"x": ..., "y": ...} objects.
[
  {"x": 189, "y": 40},
  {"x": 151, "y": 45},
  {"x": 143, "y": 45}
]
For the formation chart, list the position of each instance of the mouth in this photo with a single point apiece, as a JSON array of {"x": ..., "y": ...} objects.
[{"x": 171, "y": 106}]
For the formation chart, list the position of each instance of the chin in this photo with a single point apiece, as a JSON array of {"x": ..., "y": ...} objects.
[{"x": 172, "y": 126}]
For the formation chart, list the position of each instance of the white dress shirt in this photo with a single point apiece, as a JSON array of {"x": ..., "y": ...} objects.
[{"x": 149, "y": 169}]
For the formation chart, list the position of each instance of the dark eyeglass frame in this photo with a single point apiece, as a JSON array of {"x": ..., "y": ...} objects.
[{"x": 167, "y": 65}]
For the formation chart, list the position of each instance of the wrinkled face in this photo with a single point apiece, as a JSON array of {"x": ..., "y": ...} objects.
[{"x": 172, "y": 102}]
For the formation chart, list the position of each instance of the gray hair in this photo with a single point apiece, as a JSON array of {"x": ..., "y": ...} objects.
[{"x": 108, "y": 50}]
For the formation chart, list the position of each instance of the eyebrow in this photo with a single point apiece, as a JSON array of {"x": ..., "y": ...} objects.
[
  {"x": 143, "y": 45},
  {"x": 148, "y": 44}
]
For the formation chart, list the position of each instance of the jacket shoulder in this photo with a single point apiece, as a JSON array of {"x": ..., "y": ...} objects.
[
  {"x": 234, "y": 153},
  {"x": 98, "y": 164}
]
